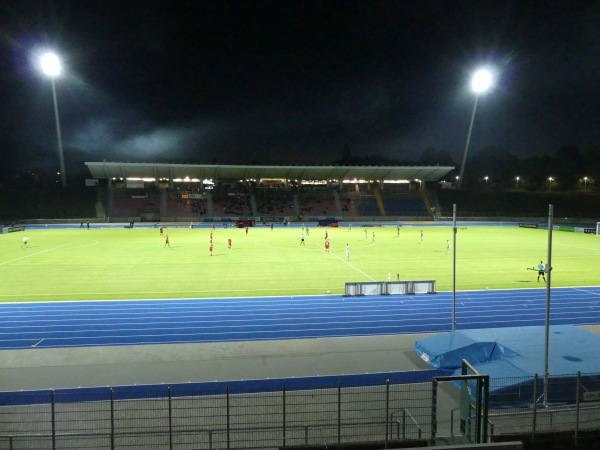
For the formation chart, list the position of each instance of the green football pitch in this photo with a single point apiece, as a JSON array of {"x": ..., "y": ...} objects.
[{"x": 105, "y": 263}]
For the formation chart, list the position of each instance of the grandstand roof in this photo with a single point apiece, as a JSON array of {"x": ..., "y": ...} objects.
[{"x": 103, "y": 170}]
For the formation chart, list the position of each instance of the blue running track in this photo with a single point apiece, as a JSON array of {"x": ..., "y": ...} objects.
[{"x": 100, "y": 323}]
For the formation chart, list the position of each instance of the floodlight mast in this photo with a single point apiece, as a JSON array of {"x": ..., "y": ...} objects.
[
  {"x": 51, "y": 66},
  {"x": 481, "y": 81}
]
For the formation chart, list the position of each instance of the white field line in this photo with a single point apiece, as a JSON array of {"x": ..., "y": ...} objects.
[
  {"x": 346, "y": 262},
  {"x": 29, "y": 255}
]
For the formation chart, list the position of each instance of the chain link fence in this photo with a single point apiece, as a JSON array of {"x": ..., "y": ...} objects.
[{"x": 185, "y": 419}]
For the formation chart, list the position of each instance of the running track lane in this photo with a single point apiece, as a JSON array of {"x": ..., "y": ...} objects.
[{"x": 101, "y": 323}]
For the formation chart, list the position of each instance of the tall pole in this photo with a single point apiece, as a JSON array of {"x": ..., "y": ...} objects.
[
  {"x": 549, "y": 275},
  {"x": 454, "y": 267},
  {"x": 464, "y": 161},
  {"x": 63, "y": 174}
]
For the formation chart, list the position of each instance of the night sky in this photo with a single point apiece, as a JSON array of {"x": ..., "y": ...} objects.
[{"x": 295, "y": 82}]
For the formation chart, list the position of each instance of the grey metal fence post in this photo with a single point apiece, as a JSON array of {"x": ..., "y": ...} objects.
[
  {"x": 53, "y": 418},
  {"x": 112, "y": 419},
  {"x": 228, "y": 418},
  {"x": 387, "y": 410},
  {"x": 339, "y": 414},
  {"x": 283, "y": 405},
  {"x": 170, "y": 419}
]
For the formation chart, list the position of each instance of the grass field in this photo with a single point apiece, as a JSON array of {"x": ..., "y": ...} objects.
[{"x": 81, "y": 264}]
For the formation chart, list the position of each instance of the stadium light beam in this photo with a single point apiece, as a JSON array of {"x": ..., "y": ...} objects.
[
  {"x": 585, "y": 183},
  {"x": 51, "y": 67},
  {"x": 481, "y": 81}
]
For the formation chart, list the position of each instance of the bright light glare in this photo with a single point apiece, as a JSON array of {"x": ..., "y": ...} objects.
[
  {"x": 50, "y": 64},
  {"x": 482, "y": 80}
]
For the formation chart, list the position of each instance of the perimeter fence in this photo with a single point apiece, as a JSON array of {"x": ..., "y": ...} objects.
[{"x": 185, "y": 417}]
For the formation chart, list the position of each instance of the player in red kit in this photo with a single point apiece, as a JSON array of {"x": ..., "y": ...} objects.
[
  {"x": 210, "y": 248},
  {"x": 229, "y": 243},
  {"x": 167, "y": 241}
]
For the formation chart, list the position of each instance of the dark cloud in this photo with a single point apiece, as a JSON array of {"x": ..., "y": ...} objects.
[{"x": 296, "y": 81}]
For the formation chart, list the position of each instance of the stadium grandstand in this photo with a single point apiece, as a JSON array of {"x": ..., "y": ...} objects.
[{"x": 146, "y": 192}]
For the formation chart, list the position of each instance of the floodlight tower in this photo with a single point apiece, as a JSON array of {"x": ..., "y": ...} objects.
[
  {"x": 481, "y": 81},
  {"x": 51, "y": 66}
]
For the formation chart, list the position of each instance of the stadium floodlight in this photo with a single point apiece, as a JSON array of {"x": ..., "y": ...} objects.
[
  {"x": 517, "y": 178},
  {"x": 550, "y": 180},
  {"x": 585, "y": 183},
  {"x": 486, "y": 178},
  {"x": 481, "y": 81},
  {"x": 51, "y": 66}
]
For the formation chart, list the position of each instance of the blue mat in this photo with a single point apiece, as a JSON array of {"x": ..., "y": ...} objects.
[{"x": 513, "y": 356}]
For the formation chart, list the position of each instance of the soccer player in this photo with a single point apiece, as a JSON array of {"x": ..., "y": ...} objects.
[
  {"x": 326, "y": 245},
  {"x": 161, "y": 231},
  {"x": 25, "y": 240},
  {"x": 229, "y": 243},
  {"x": 365, "y": 233},
  {"x": 373, "y": 240},
  {"x": 347, "y": 252},
  {"x": 448, "y": 246},
  {"x": 167, "y": 244},
  {"x": 302, "y": 239},
  {"x": 397, "y": 230},
  {"x": 271, "y": 227},
  {"x": 210, "y": 248},
  {"x": 422, "y": 237},
  {"x": 541, "y": 271}
]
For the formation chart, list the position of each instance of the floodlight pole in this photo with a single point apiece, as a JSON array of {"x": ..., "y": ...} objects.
[
  {"x": 549, "y": 275},
  {"x": 63, "y": 174},
  {"x": 454, "y": 267},
  {"x": 464, "y": 161}
]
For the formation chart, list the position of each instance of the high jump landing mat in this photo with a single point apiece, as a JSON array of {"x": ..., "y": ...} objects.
[{"x": 512, "y": 357}]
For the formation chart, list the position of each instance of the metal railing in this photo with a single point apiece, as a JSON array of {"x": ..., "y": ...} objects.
[
  {"x": 237, "y": 419},
  {"x": 401, "y": 425}
]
